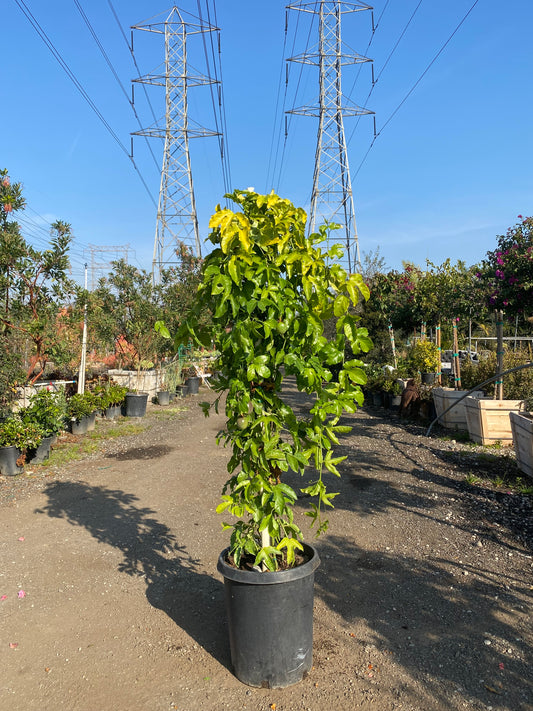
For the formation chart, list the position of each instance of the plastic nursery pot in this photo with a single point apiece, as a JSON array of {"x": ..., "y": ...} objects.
[
  {"x": 163, "y": 397},
  {"x": 79, "y": 427},
  {"x": 182, "y": 390},
  {"x": 8, "y": 461},
  {"x": 136, "y": 404},
  {"x": 429, "y": 378},
  {"x": 193, "y": 385},
  {"x": 42, "y": 452},
  {"x": 91, "y": 421},
  {"x": 112, "y": 412},
  {"x": 270, "y": 620}
]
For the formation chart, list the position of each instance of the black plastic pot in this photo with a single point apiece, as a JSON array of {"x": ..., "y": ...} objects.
[
  {"x": 91, "y": 421},
  {"x": 182, "y": 390},
  {"x": 270, "y": 619},
  {"x": 163, "y": 397},
  {"x": 41, "y": 453},
  {"x": 136, "y": 404},
  {"x": 79, "y": 427},
  {"x": 112, "y": 412},
  {"x": 8, "y": 461},
  {"x": 193, "y": 385}
]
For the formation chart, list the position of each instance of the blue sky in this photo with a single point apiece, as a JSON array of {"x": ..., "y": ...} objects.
[{"x": 449, "y": 171}]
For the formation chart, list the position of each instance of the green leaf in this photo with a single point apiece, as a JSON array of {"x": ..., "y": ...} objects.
[{"x": 291, "y": 544}]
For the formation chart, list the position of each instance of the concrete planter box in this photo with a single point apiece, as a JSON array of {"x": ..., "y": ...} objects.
[
  {"x": 488, "y": 420},
  {"x": 522, "y": 427},
  {"x": 454, "y": 419}
]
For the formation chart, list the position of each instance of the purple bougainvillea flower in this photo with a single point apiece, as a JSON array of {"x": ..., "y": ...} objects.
[{"x": 21, "y": 593}]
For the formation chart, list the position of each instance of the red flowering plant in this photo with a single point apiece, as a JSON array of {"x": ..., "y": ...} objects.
[{"x": 507, "y": 272}]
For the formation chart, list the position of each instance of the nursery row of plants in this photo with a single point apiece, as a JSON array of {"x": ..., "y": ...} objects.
[
  {"x": 42, "y": 309},
  {"x": 27, "y": 433}
]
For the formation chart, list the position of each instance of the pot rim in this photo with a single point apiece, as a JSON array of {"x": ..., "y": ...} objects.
[{"x": 253, "y": 577}]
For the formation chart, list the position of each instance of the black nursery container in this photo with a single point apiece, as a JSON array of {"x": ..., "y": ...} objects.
[
  {"x": 193, "y": 385},
  {"x": 136, "y": 404},
  {"x": 270, "y": 619}
]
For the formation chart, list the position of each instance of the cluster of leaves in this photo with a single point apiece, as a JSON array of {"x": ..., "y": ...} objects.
[
  {"x": 507, "y": 272},
  {"x": 270, "y": 289},
  {"x": 517, "y": 385},
  {"x": 47, "y": 409},
  {"x": 80, "y": 405},
  {"x": 424, "y": 357},
  {"x": 15, "y": 432},
  {"x": 108, "y": 395},
  {"x": 34, "y": 284}
]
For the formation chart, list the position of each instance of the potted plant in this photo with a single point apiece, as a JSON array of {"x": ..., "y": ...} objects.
[
  {"x": 16, "y": 438},
  {"x": 79, "y": 408},
  {"x": 110, "y": 397},
  {"x": 522, "y": 429},
  {"x": 269, "y": 289},
  {"x": 48, "y": 410},
  {"x": 424, "y": 359}
]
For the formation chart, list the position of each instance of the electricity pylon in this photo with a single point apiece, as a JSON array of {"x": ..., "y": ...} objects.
[
  {"x": 332, "y": 196},
  {"x": 177, "y": 220}
]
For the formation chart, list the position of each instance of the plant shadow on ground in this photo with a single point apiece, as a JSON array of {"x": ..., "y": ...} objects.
[
  {"x": 434, "y": 614},
  {"x": 482, "y": 502},
  {"x": 433, "y": 624},
  {"x": 174, "y": 581}
]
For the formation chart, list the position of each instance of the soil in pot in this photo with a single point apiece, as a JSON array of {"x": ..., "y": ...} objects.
[{"x": 270, "y": 620}]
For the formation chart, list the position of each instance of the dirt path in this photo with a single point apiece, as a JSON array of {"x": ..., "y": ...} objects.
[{"x": 113, "y": 603}]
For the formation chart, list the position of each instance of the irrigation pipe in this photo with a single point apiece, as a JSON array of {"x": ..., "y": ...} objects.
[{"x": 477, "y": 387}]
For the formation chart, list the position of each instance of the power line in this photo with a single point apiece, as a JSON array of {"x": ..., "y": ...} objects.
[
  {"x": 218, "y": 82},
  {"x": 63, "y": 64},
  {"x": 375, "y": 81},
  {"x": 130, "y": 49},
  {"x": 114, "y": 72},
  {"x": 417, "y": 82},
  {"x": 285, "y": 111}
]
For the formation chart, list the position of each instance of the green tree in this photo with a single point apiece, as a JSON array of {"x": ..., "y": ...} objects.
[
  {"x": 270, "y": 289},
  {"x": 35, "y": 285},
  {"x": 124, "y": 310}
]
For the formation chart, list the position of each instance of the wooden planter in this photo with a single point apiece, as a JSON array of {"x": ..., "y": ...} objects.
[
  {"x": 488, "y": 420},
  {"x": 454, "y": 419},
  {"x": 522, "y": 427}
]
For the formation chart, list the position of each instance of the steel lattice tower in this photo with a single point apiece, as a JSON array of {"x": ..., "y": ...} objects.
[
  {"x": 176, "y": 213},
  {"x": 331, "y": 196}
]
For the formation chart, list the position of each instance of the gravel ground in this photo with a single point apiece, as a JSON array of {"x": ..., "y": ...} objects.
[{"x": 110, "y": 598}]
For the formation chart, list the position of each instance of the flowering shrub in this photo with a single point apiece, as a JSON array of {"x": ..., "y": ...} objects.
[{"x": 508, "y": 270}]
